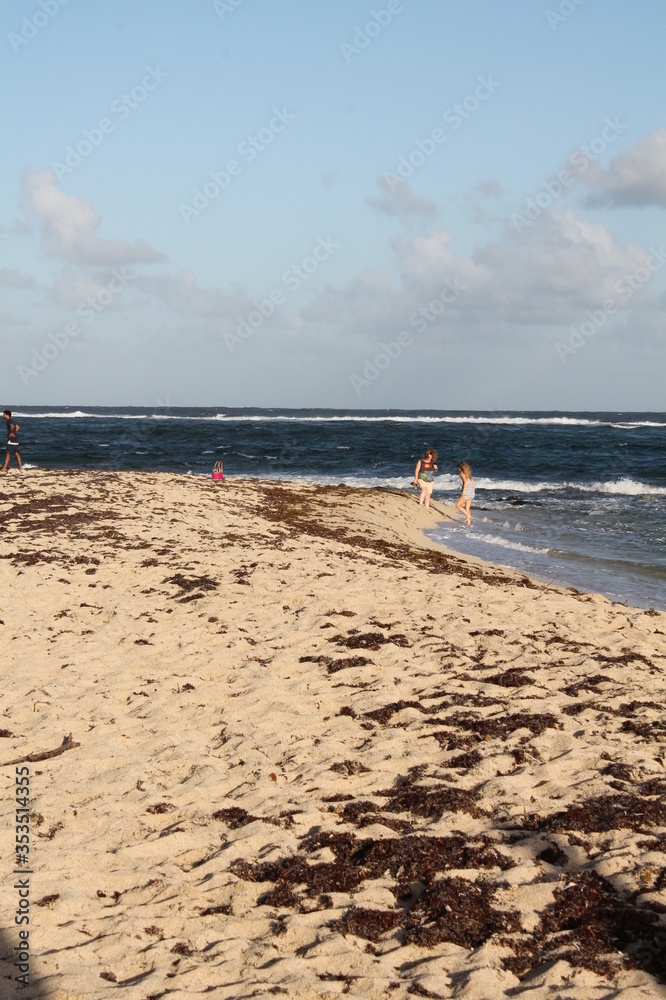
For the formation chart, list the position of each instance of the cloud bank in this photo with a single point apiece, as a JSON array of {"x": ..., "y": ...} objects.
[
  {"x": 68, "y": 227},
  {"x": 636, "y": 177}
]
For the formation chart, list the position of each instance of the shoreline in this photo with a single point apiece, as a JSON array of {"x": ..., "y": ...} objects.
[
  {"x": 422, "y": 523},
  {"x": 316, "y": 752}
]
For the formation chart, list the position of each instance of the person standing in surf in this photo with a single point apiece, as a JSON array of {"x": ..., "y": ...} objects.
[
  {"x": 12, "y": 441},
  {"x": 464, "y": 501},
  {"x": 424, "y": 476}
]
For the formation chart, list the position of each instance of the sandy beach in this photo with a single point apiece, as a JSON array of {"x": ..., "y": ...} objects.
[{"x": 313, "y": 754}]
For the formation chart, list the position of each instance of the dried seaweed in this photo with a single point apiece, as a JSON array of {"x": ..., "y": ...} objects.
[
  {"x": 352, "y": 661},
  {"x": 300, "y": 513},
  {"x": 383, "y": 714},
  {"x": 510, "y": 678},
  {"x": 459, "y": 911},
  {"x": 585, "y": 684},
  {"x": 368, "y": 640},
  {"x": 604, "y": 813},
  {"x": 501, "y": 726},
  {"x": 618, "y": 770},
  {"x": 454, "y": 741},
  {"x": 430, "y": 800},
  {"x": 650, "y": 731},
  {"x": 211, "y": 911},
  {"x": 234, "y": 817},
  {"x": 578, "y": 707},
  {"x": 349, "y": 767},
  {"x": 325, "y": 877},
  {"x": 368, "y": 924},
  {"x": 407, "y": 860},
  {"x": 586, "y": 922},
  {"x": 186, "y": 585},
  {"x": 466, "y": 760},
  {"x": 624, "y": 659}
]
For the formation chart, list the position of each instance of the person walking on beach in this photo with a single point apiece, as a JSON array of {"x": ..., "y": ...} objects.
[
  {"x": 464, "y": 502},
  {"x": 12, "y": 441},
  {"x": 424, "y": 476}
]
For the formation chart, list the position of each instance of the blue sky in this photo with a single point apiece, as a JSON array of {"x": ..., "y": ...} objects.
[{"x": 391, "y": 231}]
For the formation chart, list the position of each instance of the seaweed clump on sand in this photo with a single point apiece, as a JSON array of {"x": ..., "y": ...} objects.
[
  {"x": 191, "y": 588},
  {"x": 234, "y": 817},
  {"x": 585, "y": 924},
  {"x": 448, "y": 909},
  {"x": 498, "y": 727},
  {"x": 467, "y": 760},
  {"x": 368, "y": 924},
  {"x": 363, "y": 813},
  {"x": 332, "y": 666},
  {"x": 430, "y": 801},
  {"x": 349, "y": 767},
  {"x": 451, "y": 909},
  {"x": 384, "y": 714},
  {"x": 442, "y": 909},
  {"x": 501, "y": 727},
  {"x": 510, "y": 678},
  {"x": 650, "y": 731},
  {"x": 586, "y": 684},
  {"x": 459, "y": 911},
  {"x": 368, "y": 640},
  {"x": 301, "y": 512},
  {"x": 618, "y": 770},
  {"x": 607, "y": 812}
]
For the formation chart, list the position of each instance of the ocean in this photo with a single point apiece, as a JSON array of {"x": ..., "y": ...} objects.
[{"x": 576, "y": 499}]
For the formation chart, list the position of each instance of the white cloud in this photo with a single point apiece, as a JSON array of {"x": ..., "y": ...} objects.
[
  {"x": 74, "y": 287},
  {"x": 11, "y": 278},
  {"x": 547, "y": 276},
  {"x": 68, "y": 225},
  {"x": 183, "y": 294},
  {"x": 635, "y": 177},
  {"x": 399, "y": 200},
  {"x": 512, "y": 288}
]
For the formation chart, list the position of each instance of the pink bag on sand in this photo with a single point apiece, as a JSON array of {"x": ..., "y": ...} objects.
[{"x": 218, "y": 474}]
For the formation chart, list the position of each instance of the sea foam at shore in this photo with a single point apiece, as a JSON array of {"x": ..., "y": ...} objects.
[{"x": 579, "y": 499}]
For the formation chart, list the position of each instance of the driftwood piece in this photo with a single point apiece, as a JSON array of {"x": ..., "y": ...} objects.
[{"x": 67, "y": 744}]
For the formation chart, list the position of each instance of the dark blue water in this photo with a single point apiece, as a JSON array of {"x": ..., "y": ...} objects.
[{"x": 576, "y": 498}]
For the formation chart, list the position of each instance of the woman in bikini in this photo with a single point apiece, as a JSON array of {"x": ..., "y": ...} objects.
[{"x": 424, "y": 476}]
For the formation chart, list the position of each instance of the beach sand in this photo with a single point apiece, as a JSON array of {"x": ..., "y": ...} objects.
[{"x": 313, "y": 754}]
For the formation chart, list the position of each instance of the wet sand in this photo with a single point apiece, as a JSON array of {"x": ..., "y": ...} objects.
[{"x": 314, "y": 754}]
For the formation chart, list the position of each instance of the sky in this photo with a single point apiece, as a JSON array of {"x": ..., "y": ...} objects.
[{"x": 451, "y": 204}]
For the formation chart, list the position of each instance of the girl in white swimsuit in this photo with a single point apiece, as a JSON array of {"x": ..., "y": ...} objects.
[{"x": 464, "y": 502}]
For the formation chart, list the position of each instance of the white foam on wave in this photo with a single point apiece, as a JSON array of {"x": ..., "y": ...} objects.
[
  {"x": 506, "y": 543},
  {"x": 517, "y": 486},
  {"x": 52, "y": 416},
  {"x": 622, "y": 487},
  {"x": 77, "y": 414},
  {"x": 638, "y": 423},
  {"x": 450, "y": 484},
  {"x": 428, "y": 419},
  {"x": 332, "y": 418}
]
